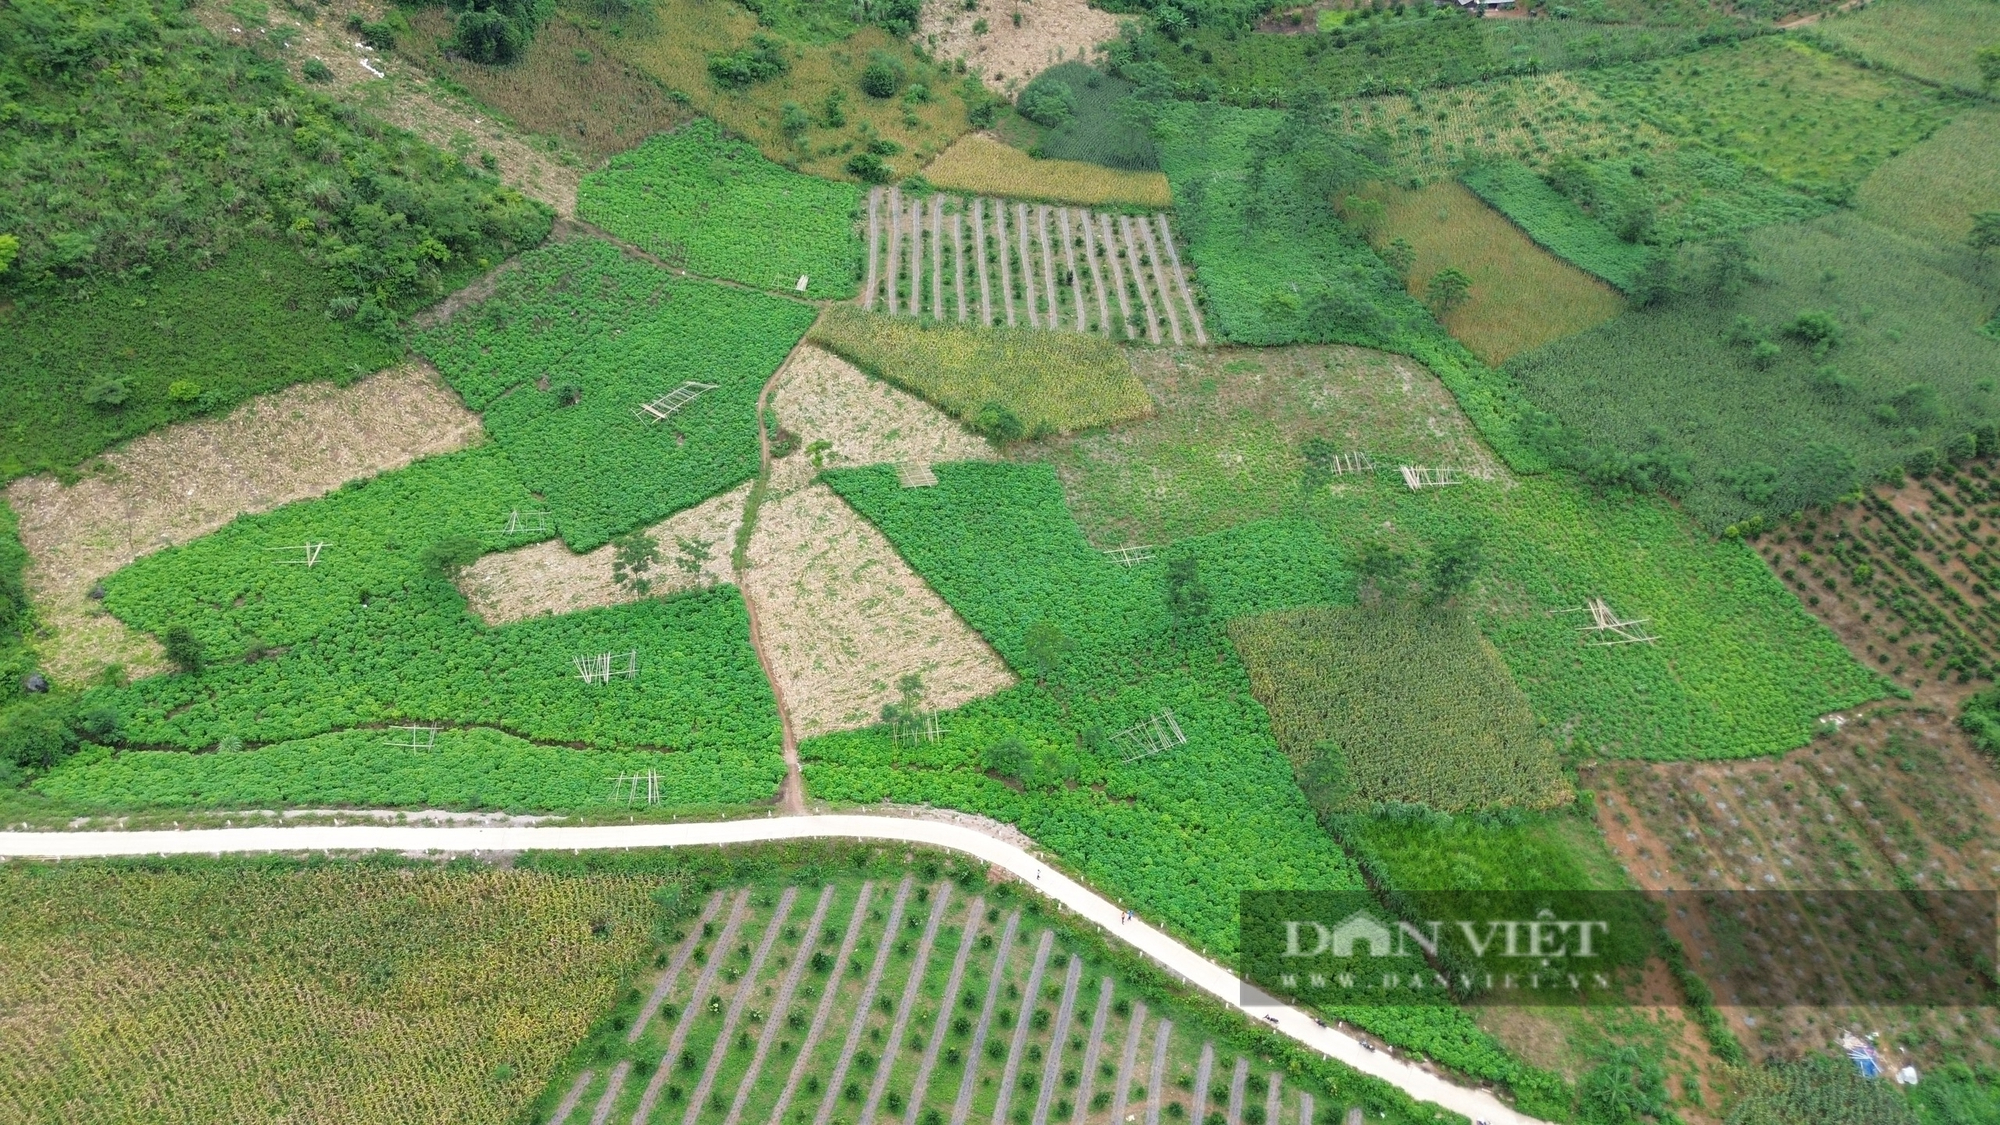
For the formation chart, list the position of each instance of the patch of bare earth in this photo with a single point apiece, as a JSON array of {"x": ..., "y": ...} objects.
[
  {"x": 184, "y": 481},
  {"x": 845, "y": 619},
  {"x": 549, "y": 578},
  {"x": 1020, "y": 38},
  {"x": 823, "y": 398},
  {"x": 392, "y": 88}
]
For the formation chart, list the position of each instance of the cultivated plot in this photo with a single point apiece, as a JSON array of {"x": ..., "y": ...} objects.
[
  {"x": 1008, "y": 43},
  {"x": 992, "y": 261},
  {"x": 838, "y": 417}
]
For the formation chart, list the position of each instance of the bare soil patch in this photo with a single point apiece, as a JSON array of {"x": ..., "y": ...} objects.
[
  {"x": 1021, "y": 39},
  {"x": 823, "y": 398},
  {"x": 846, "y": 618},
  {"x": 187, "y": 480},
  {"x": 549, "y": 578}
]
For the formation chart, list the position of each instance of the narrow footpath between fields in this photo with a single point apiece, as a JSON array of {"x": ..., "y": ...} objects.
[{"x": 1190, "y": 966}]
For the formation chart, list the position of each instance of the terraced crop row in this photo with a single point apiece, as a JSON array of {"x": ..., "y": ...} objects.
[
  {"x": 995, "y": 261},
  {"x": 869, "y": 1023}
]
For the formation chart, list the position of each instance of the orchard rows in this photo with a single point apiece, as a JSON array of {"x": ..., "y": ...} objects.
[
  {"x": 879, "y": 1003},
  {"x": 993, "y": 261}
]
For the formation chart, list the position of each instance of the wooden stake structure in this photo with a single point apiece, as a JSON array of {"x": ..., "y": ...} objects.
[
  {"x": 636, "y": 787},
  {"x": 1346, "y": 463},
  {"x": 527, "y": 523},
  {"x": 664, "y": 407},
  {"x": 1129, "y": 556},
  {"x": 600, "y": 668},
  {"x": 1417, "y": 476},
  {"x": 310, "y": 555},
  {"x": 416, "y": 737},
  {"x": 915, "y": 474},
  {"x": 919, "y": 726},
  {"x": 1607, "y": 628},
  {"x": 1156, "y": 735}
]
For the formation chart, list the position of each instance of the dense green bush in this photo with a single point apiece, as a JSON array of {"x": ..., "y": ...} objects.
[
  {"x": 760, "y": 60},
  {"x": 235, "y": 150},
  {"x": 1555, "y": 222},
  {"x": 1105, "y": 120},
  {"x": 569, "y": 345},
  {"x": 716, "y": 206}
]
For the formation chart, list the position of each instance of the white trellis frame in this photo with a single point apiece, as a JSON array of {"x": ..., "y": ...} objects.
[
  {"x": 416, "y": 736},
  {"x": 1156, "y": 735},
  {"x": 918, "y": 726},
  {"x": 915, "y": 474},
  {"x": 1129, "y": 556},
  {"x": 1417, "y": 476},
  {"x": 636, "y": 788},
  {"x": 599, "y": 669},
  {"x": 1607, "y": 628},
  {"x": 308, "y": 553},
  {"x": 664, "y": 407},
  {"x": 527, "y": 523},
  {"x": 1347, "y": 463}
]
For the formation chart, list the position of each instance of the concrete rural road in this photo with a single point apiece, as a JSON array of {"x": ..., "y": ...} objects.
[{"x": 1190, "y": 966}]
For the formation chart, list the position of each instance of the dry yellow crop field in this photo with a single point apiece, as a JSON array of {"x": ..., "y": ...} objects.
[
  {"x": 843, "y": 418},
  {"x": 979, "y": 164},
  {"x": 199, "y": 991}
]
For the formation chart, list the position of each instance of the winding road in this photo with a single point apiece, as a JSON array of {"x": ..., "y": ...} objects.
[{"x": 1196, "y": 970}]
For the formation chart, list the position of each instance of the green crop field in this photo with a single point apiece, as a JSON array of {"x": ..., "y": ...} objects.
[
  {"x": 1933, "y": 190},
  {"x": 1050, "y": 382},
  {"x": 1806, "y": 118},
  {"x": 1937, "y": 40},
  {"x": 1097, "y": 130},
  {"x": 1761, "y": 419},
  {"x": 1557, "y": 223},
  {"x": 1365, "y": 700},
  {"x": 717, "y": 207},
  {"x": 565, "y": 352}
]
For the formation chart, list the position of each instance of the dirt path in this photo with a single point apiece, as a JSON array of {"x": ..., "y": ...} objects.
[
  {"x": 792, "y": 794},
  {"x": 945, "y": 1007},
  {"x": 979, "y": 260},
  {"x": 1030, "y": 996},
  {"x": 1162, "y": 1037},
  {"x": 824, "y": 1012},
  {"x": 736, "y": 1003},
  {"x": 962, "y": 1108},
  {"x": 1139, "y": 277},
  {"x": 1128, "y": 1059},
  {"x": 1152, "y": 250},
  {"x": 1110, "y": 249},
  {"x": 1064, "y": 1013},
  {"x": 1238, "y": 1079},
  {"x": 1000, "y": 242},
  {"x": 703, "y": 984},
  {"x": 894, "y": 257},
  {"x": 568, "y": 1105},
  {"x": 612, "y": 1089},
  {"x": 1096, "y": 273},
  {"x": 1273, "y": 1098},
  {"x": 674, "y": 968},
  {"x": 781, "y": 1006},
  {"x": 865, "y": 1005},
  {"x": 905, "y": 1005},
  {"x": 917, "y": 258},
  {"x": 1180, "y": 278},
  {"x": 1204, "y": 1073},
  {"x": 1094, "y": 1048},
  {"x": 1049, "y": 267},
  {"x": 874, "y": 245}
]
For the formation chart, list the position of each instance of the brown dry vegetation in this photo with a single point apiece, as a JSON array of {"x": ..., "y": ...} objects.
[
  {"x": 822, "y": 397},
  {"x": 568, "y": 84},
  {"x": 983, "y": 165},
  {"x": 1522, "y": 296},
  {"x": 1006, "y": 56},
  {"x": 845, "y": 618},
  {"x": 549, "y": 578},
  {"x": 190, "y": 479}
]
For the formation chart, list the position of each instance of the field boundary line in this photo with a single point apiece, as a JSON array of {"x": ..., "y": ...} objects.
[
  {"x": 747, "y": 984},
  {"x": 1089, "y": 906},
  {"x": 966, "y": 941},
  {"x": 866, "y": 1004},
  {"x": 961, "y": 1109},
  {"x": 908, "y": 1001},
  {"x": 824, "y": 1011}
]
